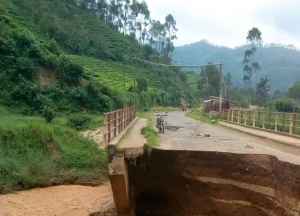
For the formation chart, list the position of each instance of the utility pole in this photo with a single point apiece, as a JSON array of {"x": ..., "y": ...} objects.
[
  {"x": 134, "y": 84},
  {"x": 124, "y": 105},
  {"x": 220, "y": 90}
]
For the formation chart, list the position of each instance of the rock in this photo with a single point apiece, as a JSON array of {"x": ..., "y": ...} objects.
[
  {"x": 248, "y": 146},
  {"x": 207, "y": 135}
]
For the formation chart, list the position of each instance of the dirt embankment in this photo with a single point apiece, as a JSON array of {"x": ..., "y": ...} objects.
[
  {"x": 95, "y": 135},
  {"x": 186, "y": 183}
]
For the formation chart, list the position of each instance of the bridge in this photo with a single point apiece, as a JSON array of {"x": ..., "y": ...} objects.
[{"x": 202, "y": 169}]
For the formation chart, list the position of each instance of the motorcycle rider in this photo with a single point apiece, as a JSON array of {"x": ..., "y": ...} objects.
[{"x": 159, "y": 120}]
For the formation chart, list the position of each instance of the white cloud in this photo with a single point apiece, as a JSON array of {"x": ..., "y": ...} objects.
[{"x": 227, "y": 22}]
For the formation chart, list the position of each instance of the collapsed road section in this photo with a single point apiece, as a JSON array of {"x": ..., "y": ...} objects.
[
  {"x": 185, "y": 183},
  {"x": 189, "y": 174}
]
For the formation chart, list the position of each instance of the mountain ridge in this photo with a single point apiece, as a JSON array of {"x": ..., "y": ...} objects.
[{"x": 280, "y": 62}]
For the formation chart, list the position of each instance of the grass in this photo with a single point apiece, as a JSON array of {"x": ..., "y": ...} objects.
[
  {"x": 145, "y": 115},
  {"x": 203, "y": 117},
  {"x": 36, "y": 154},
  {"x": 192, "y": 81},
  {"x": 149, "y": 132}
]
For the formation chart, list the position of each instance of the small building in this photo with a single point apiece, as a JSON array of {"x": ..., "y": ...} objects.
[{"x": 213, "y": 103}]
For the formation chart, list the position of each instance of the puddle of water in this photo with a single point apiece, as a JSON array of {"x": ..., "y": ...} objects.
[{"x": 173, "y": 128}]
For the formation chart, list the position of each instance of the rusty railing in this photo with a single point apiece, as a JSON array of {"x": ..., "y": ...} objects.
[
  {"x": 116, "y": 121},
  {"x": 277, "y": 121}
]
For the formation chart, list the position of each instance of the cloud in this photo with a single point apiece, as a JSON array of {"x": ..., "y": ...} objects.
[{"x": 227, "y": 22}]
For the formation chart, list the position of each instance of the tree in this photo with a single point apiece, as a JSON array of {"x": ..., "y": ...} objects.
[
  {"x": 277, "y": 94},
  {"x": 209, "y": 80},
  {"x": 142, "y": 84},
  {"x": 294, "y": 91},
  {"x": 102, "y": 8},
  {"x": 157, "y": 34},
  {"x": 285, "y": 105},
  {"x": 228, "y": 84},
  {"x": 250, "y": 66},
  {"x": 262, "y": 90}
]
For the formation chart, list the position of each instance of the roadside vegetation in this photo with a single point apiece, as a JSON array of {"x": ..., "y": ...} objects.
[
  {"x": 38, "y": 154},
  {"x": 203, "y": 116},
  {"x": 148, "y": 131}
]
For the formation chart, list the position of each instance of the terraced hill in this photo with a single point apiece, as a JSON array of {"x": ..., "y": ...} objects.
[
  {"x": 192, "y": 81},
  {"x": 95, "y": 28},
  {"x": 72, "y": 18},
  {"x": 112, "y": 74},
  {"x": 63, "y": 29}
]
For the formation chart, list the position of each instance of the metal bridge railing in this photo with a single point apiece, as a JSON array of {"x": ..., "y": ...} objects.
[
  {"x": 277, "y": 121},
  {"x": 116, "y": 121}
]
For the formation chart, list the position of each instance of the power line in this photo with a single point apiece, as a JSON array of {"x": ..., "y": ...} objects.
[{"x": 185, "y": 66}]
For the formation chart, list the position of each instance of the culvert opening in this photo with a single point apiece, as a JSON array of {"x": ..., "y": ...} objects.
[{"x": 156, "y": 202}]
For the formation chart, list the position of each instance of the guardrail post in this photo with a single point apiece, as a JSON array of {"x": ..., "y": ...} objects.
[
  {"x": 232, "y": 115},
  {"x": 276, "y": 118},
  {"x": 283, "y": 122},
  {"x": 269, "y": 123},
  {"x": 254, "y": 116},
  {"x": 263, "y": 117},
  {"x": 291, "y": 123},
  {"x": 105, "y": 128},
  {"x": 294, "y": 123},
  {"x": 227, "y": 115}
]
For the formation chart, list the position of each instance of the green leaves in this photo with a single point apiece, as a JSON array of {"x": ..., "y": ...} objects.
[
  {"x": 254, "y": 37},
  {"x": 69, "y": 72},
  {"x": 142, "y": 84},
  {"x": 285, "y": 105},
  {"x": 262, "y": 90},
  {"x": 294, "y": 91}
]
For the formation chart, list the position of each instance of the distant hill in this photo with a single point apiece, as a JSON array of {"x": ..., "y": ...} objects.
[{"x": 281, "y": 63}]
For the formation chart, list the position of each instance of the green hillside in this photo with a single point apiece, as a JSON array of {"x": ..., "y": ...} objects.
[
  {"x": 65, "y": 37},
  {"x": 192, "y": 79},
  {"x": 62, "y": 64},
  {"x": 111, "y": 74},
  {"x": 67, "y": 24}
]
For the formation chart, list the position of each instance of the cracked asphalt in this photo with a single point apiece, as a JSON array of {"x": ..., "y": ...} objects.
[{"x": 190, "y": 136}]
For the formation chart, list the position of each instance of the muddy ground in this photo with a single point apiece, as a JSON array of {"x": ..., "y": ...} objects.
[{"x": 73, "y": 200}]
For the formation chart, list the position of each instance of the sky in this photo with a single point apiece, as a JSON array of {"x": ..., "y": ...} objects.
[{"x": 227, "y": 22}]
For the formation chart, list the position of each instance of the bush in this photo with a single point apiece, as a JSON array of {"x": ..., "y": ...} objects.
[
  {"x": 48, "y": 114},
  {"x": 285, "y": 105},
  {"x": 78, "y": 122}
]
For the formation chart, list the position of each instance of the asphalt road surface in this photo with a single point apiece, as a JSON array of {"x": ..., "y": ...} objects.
[{"x": 184, "y": 133}]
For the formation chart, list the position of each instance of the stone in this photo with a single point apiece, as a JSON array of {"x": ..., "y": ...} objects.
[
  {"x": 207, "y": 135},
  {"x": 248, "y": 146}
]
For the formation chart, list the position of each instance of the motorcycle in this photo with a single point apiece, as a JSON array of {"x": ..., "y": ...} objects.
[{"x": 161, "y": 124}]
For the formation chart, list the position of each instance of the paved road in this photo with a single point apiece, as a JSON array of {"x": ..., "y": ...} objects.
[{"x": 190, "y": 136}]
